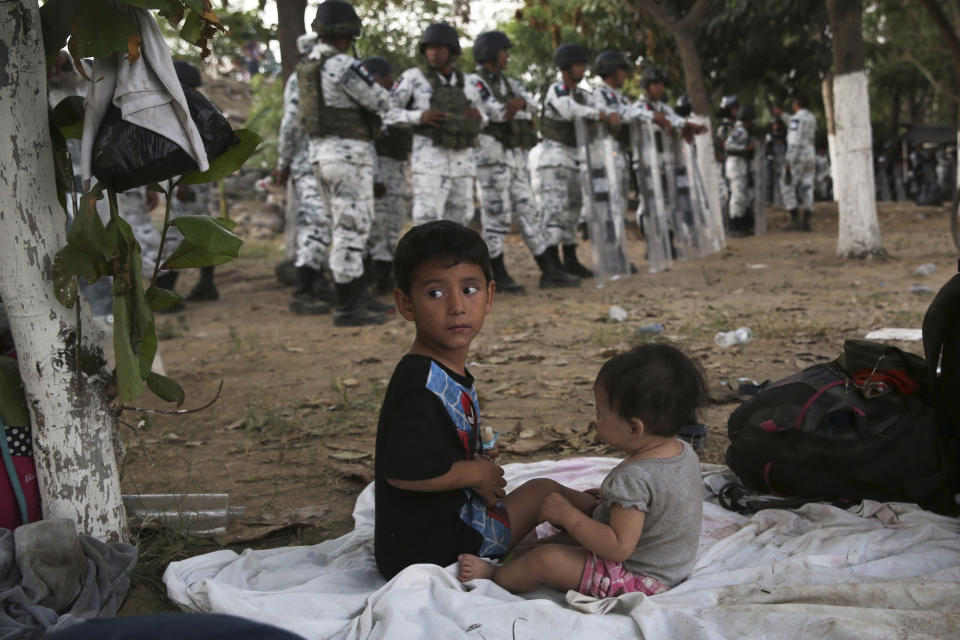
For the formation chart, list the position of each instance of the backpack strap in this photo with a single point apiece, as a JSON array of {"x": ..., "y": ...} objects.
[{"x": 12, "y": 475}]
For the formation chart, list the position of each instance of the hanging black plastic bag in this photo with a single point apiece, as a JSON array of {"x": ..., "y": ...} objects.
[{"x": 126, "y": 155}]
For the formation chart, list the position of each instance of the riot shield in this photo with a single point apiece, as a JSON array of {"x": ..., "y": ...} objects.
[
  {"x": 290, "y": 217},
  {"x": 604, "y": 204},
  {"x": 759, "y": 191},
  {"x": 709, "y": 224},
  {"x": 646, "y": 166}
]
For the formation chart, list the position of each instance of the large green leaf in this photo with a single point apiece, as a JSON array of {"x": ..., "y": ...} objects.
[
  {"x": 129, "y": 382},
  {"x": 228, "y": 161},
  {"x": 189, "y": 255},
  {"x": 206, "y": 243},
  {"x": 165, "y": 388},
  {"x": 56, "y": 20},
  {"x": 101, "y": 29},
  {"x": 160, "y": 299},
  {"x": 87, "y": 231},
  {"x": 13, "y": 402},
  {"x": 68, "y": 117},
  {"x": 69, "y": 262}
]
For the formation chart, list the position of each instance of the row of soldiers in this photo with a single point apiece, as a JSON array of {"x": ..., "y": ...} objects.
[
  {"x": 793, "y": 162},
  {"x": 348, "y": 129}
]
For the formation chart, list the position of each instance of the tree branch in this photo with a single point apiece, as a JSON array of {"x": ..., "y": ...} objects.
[
  {"x": 696, "y": 13},
  {"x": 656, "y": 11},
  {"x": 946, "y": 29},
  {"x": 937, "y": 87}
]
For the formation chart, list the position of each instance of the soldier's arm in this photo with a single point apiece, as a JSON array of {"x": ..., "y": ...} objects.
[
  {"x": 401, "y": 97},
  {"x": 286, "y": 139},
  {"x": 568, "y": 108},
  {"x": 473, "y": 95},
  {"x": 493, "y": 109},
  {"x": 521, "y": 92},
  {"x": 359, "y": 84}
]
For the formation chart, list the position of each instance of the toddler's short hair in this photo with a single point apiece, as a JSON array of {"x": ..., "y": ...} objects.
[
  {"x": 447, "y": 242},
  {"x": 657, "y": 383}
]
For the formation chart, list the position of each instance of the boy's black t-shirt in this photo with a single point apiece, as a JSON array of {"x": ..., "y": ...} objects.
[{"x": 418, "y": 439}]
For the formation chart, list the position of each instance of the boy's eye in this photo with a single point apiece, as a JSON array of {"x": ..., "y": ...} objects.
[
  {"x": 470, "y": 289},
  {"x": 434, "y": 293}
]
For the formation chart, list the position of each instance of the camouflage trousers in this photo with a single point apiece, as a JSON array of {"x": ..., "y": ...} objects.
[
  {"x": 799, "y": 193},
  {"x": 390, "y": 211},
  {"x": 560, "y": 200},
  {"x": 313, "y": 223},
  {"x": 738, "y": 178},
  {"x": 437, "y": 197},
  {"x": 347, "y": 191},
  {"x": 505, "y": 190}
]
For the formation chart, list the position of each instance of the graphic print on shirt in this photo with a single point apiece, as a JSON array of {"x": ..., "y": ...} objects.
[{"x": 492, "y": 522}]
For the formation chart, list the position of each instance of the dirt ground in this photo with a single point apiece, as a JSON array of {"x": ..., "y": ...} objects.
[{"x": 291, "y": 437}]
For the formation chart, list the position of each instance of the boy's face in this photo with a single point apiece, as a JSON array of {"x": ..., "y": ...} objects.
[
  {"x": 448, "y": 306},
  {"x": 612, "y": 428}
]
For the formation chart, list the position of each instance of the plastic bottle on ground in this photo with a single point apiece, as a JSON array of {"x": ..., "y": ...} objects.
[{"x": 729, "y": 338}]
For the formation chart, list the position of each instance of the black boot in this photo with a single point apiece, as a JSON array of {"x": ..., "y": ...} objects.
[
  {"x": 805, "y": 223},
  {"x": 167, "y": 279},
  {"x": 572, "y": 265},
  {"x": 739, "y": 227},
  {"x": 369, "y": 286},
  {"x": 286, "y": 273},
  {"x": 552, "y": 275},
  {"x": 304, "y": 301},
  {"x": 383, "y": 277},
  {"x": 505, "y": 283},
  {"x": 795, "y": 224},
  {"x": 351, "y": 309},
  {"x": 322, "y": 288},
  {"x": 204, "y": 290}
]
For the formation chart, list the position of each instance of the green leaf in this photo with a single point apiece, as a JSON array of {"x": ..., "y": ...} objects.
[
  {"x": 206, "y": 243},
  {"x": 13, "y": 401},
  {"x": 69, "y": 262},
  {"x": 192, "y": 29},
  {"x": 226, "y": 223},
  {"x": 129, "y": 382},
  {"x": 87, "y": 231},
  {"x": 101, "y": 29},
  {"x": 165, "y": 388},
  {"x": 148, "y": 350},
  {"x": 68, "y": 117},
  {"x": 228, "y": 161},
  {"x": 56, "y": 20},
  {"x": 160, "y": 299},
  {"x": 154, "y": 186}
]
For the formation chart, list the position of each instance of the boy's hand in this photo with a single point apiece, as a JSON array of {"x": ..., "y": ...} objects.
[
  {"x": 554, "y": 508},
  {"x": 490, "y": 483}
]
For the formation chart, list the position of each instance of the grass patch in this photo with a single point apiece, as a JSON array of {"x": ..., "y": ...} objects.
[{"x": 261, "y": 250}]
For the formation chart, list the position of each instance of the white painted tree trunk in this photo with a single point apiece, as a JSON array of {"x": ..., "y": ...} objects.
[
  {"x": 709, "y": 167},
  {"x": 859, "y": 232},
  {"x": 826, "y": 88},
  {"x": 72, "y": 424}
]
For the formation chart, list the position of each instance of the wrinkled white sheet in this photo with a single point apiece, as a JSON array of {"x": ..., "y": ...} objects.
[{"x": 875, "y": 571}]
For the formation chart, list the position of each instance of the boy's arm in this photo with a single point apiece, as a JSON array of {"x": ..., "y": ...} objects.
[
  {"x": 615, "y": 541},
  {"x": 481, "y": 475}
]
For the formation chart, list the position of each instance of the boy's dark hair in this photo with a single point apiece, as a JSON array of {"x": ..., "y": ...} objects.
[
  {"x": 657, "y": 383},
  {"x": 441, "y": 240}
]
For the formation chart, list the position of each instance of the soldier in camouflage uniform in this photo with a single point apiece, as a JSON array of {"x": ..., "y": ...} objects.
[
  {"x": 312, "y": 293},
  {"x": 341, "y": 106},
  {"x": 729, "y": 108},
  {"x": 613, "y": 69},
  {"x": 444, "y": 112},
  {"x": 392, "y": 194},
  {"x": 502, "y": 173},
  {"x": 738, "y": 150},
  {"x": 558, "y": 177},
  {"x": 796, "y": 183}
]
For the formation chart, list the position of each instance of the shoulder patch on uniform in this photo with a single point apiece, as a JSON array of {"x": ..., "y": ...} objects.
[
  {"x": 648, "y": 106},
  {"x": 609, "y": 95},
  {"x": 794, "y": 124},
  {"x": 482, "y": 88},
  {"x": 361, "y": 71},
  {"x": 561, "y": 90},
  {"x": 738, "y": 133}
]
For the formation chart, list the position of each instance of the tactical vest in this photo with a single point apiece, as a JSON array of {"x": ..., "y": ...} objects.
[
  {"x": 396, "y": 144},
  {"x": 514, "y": 134},
  {"x": 561, "y": 131},
  {"x": 319, "y": 120},
  {"x": 457, "y": 130}
]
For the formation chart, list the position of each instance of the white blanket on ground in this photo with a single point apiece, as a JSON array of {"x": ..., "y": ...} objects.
[{"x": 874, "y": 571}]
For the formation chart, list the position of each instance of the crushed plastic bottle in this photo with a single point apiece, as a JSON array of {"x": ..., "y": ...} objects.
[
  {"x": 729, "y": 338},
  {"x": 618, "y": 313},
  {"x": 920, "y": 289},
  {"x": 652, "y": 329},
  {"x": 925, "y": 269}
]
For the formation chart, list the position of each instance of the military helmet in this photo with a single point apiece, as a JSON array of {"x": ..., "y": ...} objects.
[
  {"x": 727, "y": 102},
  {"x": 683, "y": 107},
  {"x": 187, "y": 74},
  {"x": 653, "y": 74},
  {"x": 488, "y": 44},
  {"x": 336, "y": 19},
  {"x": 568, "y": 55},
  {"x": 608, "y": 62},
  {"x": 747, "y": 113},
  {"x": 377, "y": 66},
  {"x": 305, "y": 42},
  {"x": 441, "y": 33}
]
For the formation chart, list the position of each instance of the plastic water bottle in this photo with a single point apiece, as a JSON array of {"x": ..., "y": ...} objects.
[
  {"x": 729, "y": 338},
  {"x": 652, "y": 329}
]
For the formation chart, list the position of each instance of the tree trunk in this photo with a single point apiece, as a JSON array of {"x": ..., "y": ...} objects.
[
  {"x": 70, "y": 414},
  {"x": 290, "y": 15},
  {"x": 826, "y": 88},
  {"x": 859, "y": 229}
]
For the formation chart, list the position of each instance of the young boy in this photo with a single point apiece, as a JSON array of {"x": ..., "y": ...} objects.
[{"x": 437, "y": 494}]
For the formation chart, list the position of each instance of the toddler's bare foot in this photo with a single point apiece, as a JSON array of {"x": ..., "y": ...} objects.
[{"x": 472, "y": 567}]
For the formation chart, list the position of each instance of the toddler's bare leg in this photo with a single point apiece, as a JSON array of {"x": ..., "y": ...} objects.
[
  {"x": 557, "y": 565},
  {"x": 523, "y": 505}
]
